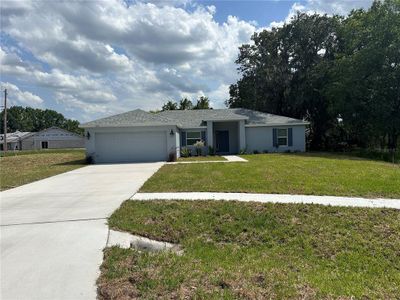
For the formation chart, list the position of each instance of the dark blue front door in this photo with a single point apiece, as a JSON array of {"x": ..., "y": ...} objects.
[{"x": 222, "y": 141}]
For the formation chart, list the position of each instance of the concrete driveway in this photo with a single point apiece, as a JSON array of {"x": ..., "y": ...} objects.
[{"x": 53, "y": 230}]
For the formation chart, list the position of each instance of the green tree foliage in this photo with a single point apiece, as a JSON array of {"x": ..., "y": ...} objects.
[
  {"x": 33, "y": 119},
  {"x": 285, "y": 69},
  {"x": 341, "y": 74},
  {"x": 170, "y": 105},
  {"x": 185, "y": 103},
  {"x": 365, "y": 78},
  {"x": 202, "y": 103}
]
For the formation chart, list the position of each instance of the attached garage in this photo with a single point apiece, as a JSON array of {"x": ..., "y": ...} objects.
[
  {"x": 131, "y": 146},
  {"x": 135, "y": 136}
]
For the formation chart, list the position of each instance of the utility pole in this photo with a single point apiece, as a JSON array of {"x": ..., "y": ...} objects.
[{"x": 5, "y": 122}]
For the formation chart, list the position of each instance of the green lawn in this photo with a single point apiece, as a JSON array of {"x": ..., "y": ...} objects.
[
  {"x": 307, "y": 173},
  {"x": 238, "y": 250},
  {"x": 201, "y": 158},
  {"x": 21, "y": 168}
]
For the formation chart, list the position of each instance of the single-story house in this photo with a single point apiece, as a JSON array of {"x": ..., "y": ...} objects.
[
  {"x": 139, "y": 136},
  {"x": 50, "y": 138}
]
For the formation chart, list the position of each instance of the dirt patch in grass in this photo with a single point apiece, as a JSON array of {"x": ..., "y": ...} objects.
[
  {"x": 17, "y": 170},
  {"x": 238, "y": 250}
]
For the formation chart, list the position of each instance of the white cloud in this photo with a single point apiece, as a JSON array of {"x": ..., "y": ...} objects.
[
  {"x": 340, "y": 7},
  {"x": 333, "y": 7},
  {"x": 19, "y": 97},
  {"x": 110, "y": 56}
]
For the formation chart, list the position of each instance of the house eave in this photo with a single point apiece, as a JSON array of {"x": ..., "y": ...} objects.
[
  {"x": 128, "y": 125},
  {"x": 277, "y": 124},
  {"x": 226, "y": 120}
]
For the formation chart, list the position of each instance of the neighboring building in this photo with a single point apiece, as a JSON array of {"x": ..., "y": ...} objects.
[
  {"x": 141, "y": 136},
  {"x": 51, "y": 138},
  {"x": 13, "y": 140}
]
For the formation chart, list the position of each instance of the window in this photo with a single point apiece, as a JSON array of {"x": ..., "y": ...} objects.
[
  {"x": 192, "y": 137},
  {"x": 282, "y": 135},
  {"x": 45, "y": 145}
]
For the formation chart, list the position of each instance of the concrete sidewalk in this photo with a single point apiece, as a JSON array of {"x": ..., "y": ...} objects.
[
  {"x": 53, "y": 231},
  {"x": 274, "y": 198},
  {"x": 228, "y": 159}
]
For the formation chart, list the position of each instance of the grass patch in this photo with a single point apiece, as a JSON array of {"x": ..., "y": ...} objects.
[
  {"x": 201, "y": 158},
  {"x": 238, "y": 250},
  {"x": 41, "y": 151},
  {"x": 307, "y": 173},
  {"x": 21, "y": 168}
]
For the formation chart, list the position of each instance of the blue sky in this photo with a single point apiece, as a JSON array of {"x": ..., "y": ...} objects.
[
  {"x": 263, "y": 12},
  {"x": 88, "y": 59}
]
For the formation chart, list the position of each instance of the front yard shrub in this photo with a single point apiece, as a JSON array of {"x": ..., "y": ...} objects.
[
  {"x": 89, "y": 159},
  {"x": 211, "y": 151},
  {"x": 199, "y": 146},
  {"x": 185, "y": 152},
  {"x": 172, "y": 156}
]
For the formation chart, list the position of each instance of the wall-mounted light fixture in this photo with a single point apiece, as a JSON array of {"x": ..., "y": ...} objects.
[
  {"x": 171, "y": 132},
  {"x": 88, "y": 135}
]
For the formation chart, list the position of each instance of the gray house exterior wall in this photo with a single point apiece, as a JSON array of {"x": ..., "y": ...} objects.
[{"x": 260, "y": 139}]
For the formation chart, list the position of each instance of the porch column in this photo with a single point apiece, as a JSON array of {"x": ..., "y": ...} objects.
[
  {"x": 242, "y": 136},
  {"x": 210, "y": 135}
]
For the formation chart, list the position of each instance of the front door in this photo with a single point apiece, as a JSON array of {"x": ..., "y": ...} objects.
[{"x": 222, "y": 141}]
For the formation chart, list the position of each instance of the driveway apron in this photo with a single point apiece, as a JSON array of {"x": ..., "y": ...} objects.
[{"x": 53, "y": 230}]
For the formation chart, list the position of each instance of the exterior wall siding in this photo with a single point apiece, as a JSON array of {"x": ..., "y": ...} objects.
[{"x": 261, "y": 139}]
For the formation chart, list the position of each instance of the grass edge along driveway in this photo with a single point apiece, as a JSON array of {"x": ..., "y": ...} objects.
[
  {"x": 303, "y": 173},
  {"x": 19, "y": 169},
  {"x": 235, "y": 250}
]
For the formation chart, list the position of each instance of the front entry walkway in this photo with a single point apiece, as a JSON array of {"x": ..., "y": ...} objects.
[
  {"x": 234, "y": 158},
  {"x": 53, "y": 231},
  {"x": 274, "y": 198}
]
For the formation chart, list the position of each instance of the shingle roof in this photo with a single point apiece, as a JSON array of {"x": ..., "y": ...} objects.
[
  {"x": 136, "y": 117},
  {"x": 14, "y": 136},
  {"x": 196, "y": 118},
  {"x": 191, "y": 118}
]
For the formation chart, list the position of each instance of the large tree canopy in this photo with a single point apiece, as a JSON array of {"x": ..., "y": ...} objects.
[
  {"x": 33, "y": 120},
  {"x": 341, "y": 74}
]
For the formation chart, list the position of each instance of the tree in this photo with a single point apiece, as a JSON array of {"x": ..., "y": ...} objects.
[
  {"x": 284, "y": 71},
  {"x": 170, "y": 106},
  {"x": 185, "y": 103},
  {"x": 33, "y": 120},
  {"x": 365, "y": 81},
  {"x": 202, "y": 103}
]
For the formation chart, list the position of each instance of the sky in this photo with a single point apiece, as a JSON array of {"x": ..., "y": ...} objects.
[{"x": 90, "y": 59}]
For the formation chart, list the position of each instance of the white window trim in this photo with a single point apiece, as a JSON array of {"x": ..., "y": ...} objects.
[
  {"x": 286, "y": 136},
  {"x": 196, "y": 139}
]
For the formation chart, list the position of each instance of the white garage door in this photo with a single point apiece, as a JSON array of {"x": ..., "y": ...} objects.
[{"x": 131, "y": 147}]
